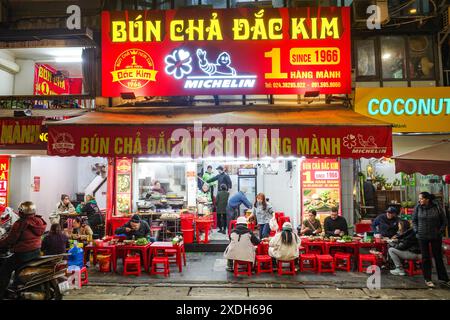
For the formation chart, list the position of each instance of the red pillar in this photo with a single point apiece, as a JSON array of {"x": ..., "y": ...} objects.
[{"x": 110, "y": 194}]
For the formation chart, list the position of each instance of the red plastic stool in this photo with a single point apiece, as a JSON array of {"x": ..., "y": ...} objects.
[
  {"x": 262, "y": 249},
  {"x": 308, "y": 262},
  {"x": 132, "y": 266},
  {"x": 272, "y": 233},
  {"x": 290, "y": 271},
  {"x": 232, "y": 226},
  {"x": 171, "y": 254},
  {"x": 343, "y": 261},
  {"x": 414, "y": 267},
  {"x": 84, "y": 276},
  {"x": 160, "y": 260},
  {"x": 262, "y": 260},
  {"x": 366, "y": 258},
  {"x": 246, "y": 264},
  {"x": 325, "y": 263}
]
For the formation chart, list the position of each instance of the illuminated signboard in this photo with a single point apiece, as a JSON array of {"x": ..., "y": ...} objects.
[
  {"x": 4, "y": 180},
  {"x": 229, "y": 51},
  {"x": 408, "y": 109},
  {"x": 321, "y": 186}
]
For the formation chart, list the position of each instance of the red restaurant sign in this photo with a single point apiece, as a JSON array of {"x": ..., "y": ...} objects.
[
  {"x": 226, "y": 51},
  {"x": 212, "y": 140},
  {"x": 22, "y": 133},
  {"x": 4, "y": 180},
  {"x": 46, "y": 82}
]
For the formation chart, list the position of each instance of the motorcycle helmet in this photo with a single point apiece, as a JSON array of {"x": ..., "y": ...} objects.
[{"x": 27, "y": 208}]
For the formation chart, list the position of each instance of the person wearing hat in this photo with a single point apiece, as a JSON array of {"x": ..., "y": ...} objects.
[
  {"x": 136, "y": 228},
  {"x": 386, "y": 224},
  {"x": 207, "y": 176},
  {"x": 285, "y": 245},
  {"x": 242, "y": 244},
  {"x": 24, "y": 239},
  {"x": 221, "y": 178}
]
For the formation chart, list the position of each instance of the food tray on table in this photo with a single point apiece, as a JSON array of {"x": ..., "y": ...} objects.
[{"x": 170, "y": 216}]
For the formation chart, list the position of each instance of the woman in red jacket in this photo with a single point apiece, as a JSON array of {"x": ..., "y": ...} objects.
[{"x": 25, "y": 241}]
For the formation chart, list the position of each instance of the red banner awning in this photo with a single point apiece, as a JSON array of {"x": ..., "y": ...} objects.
[
  {"x": 22, "y": 133},
  {"x": 433, "y": 159},
  {"x": 251, "y": 134}
]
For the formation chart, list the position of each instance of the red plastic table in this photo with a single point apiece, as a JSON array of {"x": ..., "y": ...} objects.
[
  {"x": 143, "y": 250},
  {"x": 155, "y": 246},
  {"x": 95, "y": 249}
]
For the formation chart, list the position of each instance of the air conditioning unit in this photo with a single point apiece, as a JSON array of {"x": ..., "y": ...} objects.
[
  {"x": 254, "y": 4},
  {"x": 360, "y": 14}
]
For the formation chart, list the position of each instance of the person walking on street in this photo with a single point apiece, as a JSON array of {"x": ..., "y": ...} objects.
[{"x": 429, "y": 223}]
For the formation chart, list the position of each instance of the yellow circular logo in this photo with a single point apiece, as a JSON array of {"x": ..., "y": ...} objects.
[{"x": 134, "y": 69}]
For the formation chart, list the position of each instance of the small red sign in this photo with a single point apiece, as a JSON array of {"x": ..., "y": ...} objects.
[
  {"x": 4, "y": 182},
  {"x": 37, "y": 184}
]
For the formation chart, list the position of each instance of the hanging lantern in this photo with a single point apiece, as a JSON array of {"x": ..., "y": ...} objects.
[{"x": 447, "y": 178}]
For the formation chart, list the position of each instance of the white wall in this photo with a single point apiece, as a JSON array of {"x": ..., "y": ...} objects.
[
  {"x": 19, "y": 185},
  {"x": 24, "y": 80},
  {"x": 6, "y": 78},
  {"x": 57, "y": 176},
  {"x": 283, "y": 190}
]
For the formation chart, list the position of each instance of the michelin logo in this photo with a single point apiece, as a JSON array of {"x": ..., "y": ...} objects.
[
  {"x": 219, "y": 74},
  {"x": 216, "y": 75}
]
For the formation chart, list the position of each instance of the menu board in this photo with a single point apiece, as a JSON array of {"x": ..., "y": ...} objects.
[
  {"x": 123, "y": 186},
  {"x": 4, "y": 176},
  {"x": 321, "y": 186}
]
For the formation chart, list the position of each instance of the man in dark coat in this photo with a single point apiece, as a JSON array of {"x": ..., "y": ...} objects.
[
  {"x": 222, "y": 178},
  {"x": 135, "y": 227}
]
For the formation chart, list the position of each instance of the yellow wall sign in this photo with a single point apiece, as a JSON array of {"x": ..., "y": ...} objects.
[{"x": 408, "y": 109}]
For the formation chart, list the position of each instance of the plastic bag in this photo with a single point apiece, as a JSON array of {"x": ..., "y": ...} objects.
[{"x": 273, "y": 224}]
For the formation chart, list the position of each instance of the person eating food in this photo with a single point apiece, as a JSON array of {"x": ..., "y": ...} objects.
[{"x": 136, "y": 228}]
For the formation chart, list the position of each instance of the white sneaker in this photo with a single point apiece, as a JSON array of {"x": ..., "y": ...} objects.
[
  {"x": 398, "y": 272},
  {"x": 429, "y": 284}
]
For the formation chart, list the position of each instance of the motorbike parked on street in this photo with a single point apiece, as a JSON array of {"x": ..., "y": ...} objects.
[{"x": 39, "y": 279}]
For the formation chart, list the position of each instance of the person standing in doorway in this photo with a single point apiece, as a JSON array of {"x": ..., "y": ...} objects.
[
  {"x": 263, "y": 212},
  {"x": 206, "y": 177},
  {"x": 221, "y": 178},
  {"x": 221, "y": 204},
  {"x": 429, "y": 223}
]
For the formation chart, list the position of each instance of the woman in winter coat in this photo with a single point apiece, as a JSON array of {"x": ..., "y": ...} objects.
[
  {"x": 285, "y": 245},
  {"x": 55, "y": 242},
  {"x": 95, "y": 218},
  {"x": 263, "y": 212},
  {"x": 242, "y": 244},
  {"x": 429, "y": 223},
  {"x": 405, "y": 247}
]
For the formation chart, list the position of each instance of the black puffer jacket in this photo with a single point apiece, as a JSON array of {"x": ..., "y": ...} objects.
[
  {"x": 408, "y": 242},
  {"x": 429, "y": 221}
]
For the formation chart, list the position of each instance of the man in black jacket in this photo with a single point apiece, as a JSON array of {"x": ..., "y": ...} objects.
[
  {"x": 335, "y": 225},
  {"x": 135, "y": 227},
  {"x": 406, "y": 248},
  {"x": 221, "y": 178}
]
